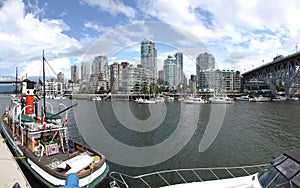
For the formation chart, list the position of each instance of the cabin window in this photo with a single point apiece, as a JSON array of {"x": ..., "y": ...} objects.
[
  {"x": 289, "y": 168},
  {"x": 280, "y": 175},
  {"x": 296, "y": 179}
]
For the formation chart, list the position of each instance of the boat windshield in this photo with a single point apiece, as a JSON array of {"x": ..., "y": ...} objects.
[{"x": 283, "y": 172}]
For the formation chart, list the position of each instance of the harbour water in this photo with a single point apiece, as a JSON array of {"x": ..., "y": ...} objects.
[{"x": 249, "y": 134}]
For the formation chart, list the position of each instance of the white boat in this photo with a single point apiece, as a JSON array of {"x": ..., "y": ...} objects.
[
  {"x": 221, "y": 100},
  {"x": 195, "y": 100},
  {"x": 243, "y": 98},
  {"x": 279, "y": 98},
  {"x": 284, "y": 171},
  {"x": 96, "y": 98},
  {"x": 180, "y": 99},
  {"x": 261, "y": 98},
  {"x": 169, "y": 98},
  {"x": 294, "y": 98},
  {"x": 148, "y": 101},
  {"x": 145, "y": 101},
  {"x": 160, "y": 99}
]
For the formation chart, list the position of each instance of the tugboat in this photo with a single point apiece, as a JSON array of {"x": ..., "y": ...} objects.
[{"x": 43, "y": 144}]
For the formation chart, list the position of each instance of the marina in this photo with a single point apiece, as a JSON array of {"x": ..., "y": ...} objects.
[{"x": 270, "y": 129}]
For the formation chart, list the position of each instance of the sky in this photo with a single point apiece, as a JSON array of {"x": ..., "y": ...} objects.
[{"x": 240, "y": 34}]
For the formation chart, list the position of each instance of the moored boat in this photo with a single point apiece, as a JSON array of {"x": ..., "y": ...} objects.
[
  {"x": 96, "y": 98},
  {"x": 279, "y": 98},
  {"x": 243, "y": 98},
  {"x": 261, "y": 98},
  {"x": 195, "y": 100},
  {"x": 43, "y": 144},
  {"x": 221, "y": 100},
  {"x": 284, "y": 171}
]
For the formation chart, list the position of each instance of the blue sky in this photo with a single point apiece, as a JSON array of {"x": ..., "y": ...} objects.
[{"x": 240, "y": 34}]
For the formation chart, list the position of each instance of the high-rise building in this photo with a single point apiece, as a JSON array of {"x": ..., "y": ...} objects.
[
  {"x": 74, "y": 74},
  {"x": 85, "y": 72},
  {"x": 179, "y": 59},
  {"x": 160, "y": 80},
  {"x": 204, "y": 62},
  {"x": 171, "y": 72},
  {"x": 115, "y": 73},
  {"x": 136, "y": 78},
  {"x": 100, "y": 65},
  {"x": 220, "y": 81},
  {"x": 60, "y": 77},
  {"x": 149, "y": 57}
]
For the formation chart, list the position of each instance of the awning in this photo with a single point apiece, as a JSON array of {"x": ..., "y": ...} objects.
[
  {"x": 52, "y": 116},
  {"x": 25, "y": 118}
]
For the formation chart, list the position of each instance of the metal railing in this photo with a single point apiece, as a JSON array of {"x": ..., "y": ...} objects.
[{"x": 171, "y": 177}]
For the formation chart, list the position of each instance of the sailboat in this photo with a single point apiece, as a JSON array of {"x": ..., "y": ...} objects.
[{"x": 43, "y": 144}]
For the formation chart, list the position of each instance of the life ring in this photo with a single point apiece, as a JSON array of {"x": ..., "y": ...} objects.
[{"x": 96, "y": 158}]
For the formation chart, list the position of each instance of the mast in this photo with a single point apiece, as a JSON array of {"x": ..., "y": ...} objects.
[
  {"x": 16, "y": 81},
  {"x": 44, "y": 84}
]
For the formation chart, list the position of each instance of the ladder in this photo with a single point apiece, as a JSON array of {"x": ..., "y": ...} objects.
[{"x": 63, "y": 140}]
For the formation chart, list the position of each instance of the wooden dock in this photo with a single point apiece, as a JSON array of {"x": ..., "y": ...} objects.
[{"x": 10, "y": 171}]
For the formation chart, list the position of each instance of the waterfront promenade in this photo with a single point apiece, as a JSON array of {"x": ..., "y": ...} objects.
[{"x": 10, "y": 170}]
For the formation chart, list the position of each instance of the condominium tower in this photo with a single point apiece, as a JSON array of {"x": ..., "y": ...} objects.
[{"x": 149, "y": 57}]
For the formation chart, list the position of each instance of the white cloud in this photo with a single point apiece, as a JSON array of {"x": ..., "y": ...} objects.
[
  {"x": 228, "y": 23},
  {"x": 23, "y": 37},
  {"x": 112, "y": 7}
]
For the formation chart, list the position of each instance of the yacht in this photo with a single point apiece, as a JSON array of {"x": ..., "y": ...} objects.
[
  {"x": 279, "y": 98},
  {"x": 221, "y": 100},
  {"x": 283, "y": 172},
  {"x": 261, "y": 98},
  {"x": 195, "y": 100},
  {"x": 243, "y": 98},
  {"x": 97, "y": 98}
]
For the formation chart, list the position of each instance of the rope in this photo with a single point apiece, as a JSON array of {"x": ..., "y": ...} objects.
[
  {"x": 12, "y": 158},
  {"x": 96, "y": 158}
]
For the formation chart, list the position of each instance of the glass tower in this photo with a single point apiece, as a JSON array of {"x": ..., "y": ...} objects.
[{"x": 149, "y": 57}]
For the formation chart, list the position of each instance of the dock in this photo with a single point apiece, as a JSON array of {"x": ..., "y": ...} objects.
[{"x": 10, "y": 170}]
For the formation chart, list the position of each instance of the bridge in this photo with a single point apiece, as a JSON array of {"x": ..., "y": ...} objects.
[
  {"x": 283, "y": 71},
  {"x": 9, "y": 80}
]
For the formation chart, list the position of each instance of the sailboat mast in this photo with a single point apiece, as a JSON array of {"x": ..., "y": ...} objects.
[{"x": 44, "y": 85}]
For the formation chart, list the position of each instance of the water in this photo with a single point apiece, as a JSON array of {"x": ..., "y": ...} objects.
[{"x": 251, "y": 133}]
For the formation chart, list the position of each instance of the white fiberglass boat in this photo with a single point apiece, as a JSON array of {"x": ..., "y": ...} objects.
[
  {"x": 243, "y": 98},
  {"x": 282, "y": 172},
  {"x": 279, "y": 98},
  {"x": 261, "y": 98},
  {"x": 195, "y": 100},
  {"x": 221, "y": 100}
]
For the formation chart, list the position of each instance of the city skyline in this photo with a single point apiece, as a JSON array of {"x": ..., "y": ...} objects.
[{"x": 67, "y": 31}]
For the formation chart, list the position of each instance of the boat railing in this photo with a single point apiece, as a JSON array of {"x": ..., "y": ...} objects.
[{"x": 176, "y": 176}]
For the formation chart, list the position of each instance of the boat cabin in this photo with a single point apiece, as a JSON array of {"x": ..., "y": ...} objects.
[{"x": 283, "y": 172}]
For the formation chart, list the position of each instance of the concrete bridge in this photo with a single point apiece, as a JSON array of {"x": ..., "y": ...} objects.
[{"x": 281, "y": 72}]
